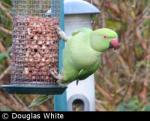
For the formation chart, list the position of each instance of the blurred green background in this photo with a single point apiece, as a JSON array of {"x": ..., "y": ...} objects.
[{"x": 123, "y": 81}]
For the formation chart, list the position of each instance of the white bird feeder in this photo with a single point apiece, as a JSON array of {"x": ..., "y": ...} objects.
[{"x": 78, "y": 14}]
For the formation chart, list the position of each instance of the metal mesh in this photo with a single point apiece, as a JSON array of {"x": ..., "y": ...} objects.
[
  {"x": 35, "y": 41},
  {"x": 55, "y": 8}
]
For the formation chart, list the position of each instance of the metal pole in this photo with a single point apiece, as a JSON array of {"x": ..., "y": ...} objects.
[{"x": 60, "y": 101}]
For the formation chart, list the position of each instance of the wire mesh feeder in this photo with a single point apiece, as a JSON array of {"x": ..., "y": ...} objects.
[{"x": 35, "y": 47}]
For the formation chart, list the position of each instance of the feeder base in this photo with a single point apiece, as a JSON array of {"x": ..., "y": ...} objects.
[{"x": 31, "y": 89}]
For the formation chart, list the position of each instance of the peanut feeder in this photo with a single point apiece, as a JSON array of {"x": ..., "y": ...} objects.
[{"x": 35, "y": 47}]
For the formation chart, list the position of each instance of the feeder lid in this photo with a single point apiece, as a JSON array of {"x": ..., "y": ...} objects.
[{"x": 79, "y": 7}]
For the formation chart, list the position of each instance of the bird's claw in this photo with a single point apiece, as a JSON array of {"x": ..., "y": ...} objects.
[
  {"x": 56, "y": 75},
  {"x": 59, "y": 82},
  {"x": 61, "y": 33}
]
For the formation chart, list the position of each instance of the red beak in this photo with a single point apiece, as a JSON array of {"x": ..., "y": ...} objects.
[{"x": 115, "y": 43}]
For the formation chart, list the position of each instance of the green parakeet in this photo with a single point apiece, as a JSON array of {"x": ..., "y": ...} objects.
[{"x": 81, "y": 55}]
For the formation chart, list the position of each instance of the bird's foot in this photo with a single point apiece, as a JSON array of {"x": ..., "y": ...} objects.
[
  {"x": 59, "y": 82},
  {"x": 58, "y": 77},
  {"x": 61, "y": 33}
]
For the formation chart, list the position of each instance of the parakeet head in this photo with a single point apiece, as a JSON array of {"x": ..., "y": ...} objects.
[{"x": 103, "y": 39}]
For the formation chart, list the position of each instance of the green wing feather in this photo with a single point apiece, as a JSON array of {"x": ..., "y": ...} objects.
[{"x": 84, "y": 73}]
